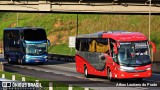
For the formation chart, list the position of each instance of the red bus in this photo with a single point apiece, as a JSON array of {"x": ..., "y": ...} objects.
[{"x": 115, "y": 54}]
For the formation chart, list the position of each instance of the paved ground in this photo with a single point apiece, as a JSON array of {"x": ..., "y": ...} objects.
[{"x": 66, "y": 73}]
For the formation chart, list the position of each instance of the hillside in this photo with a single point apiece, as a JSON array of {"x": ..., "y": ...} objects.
[{"x": 60, "y": 26}]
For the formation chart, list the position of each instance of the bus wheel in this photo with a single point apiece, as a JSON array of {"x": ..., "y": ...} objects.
[
  {"x": 86, "y": 72},
  {"x": 109, "y": 75},
  {"x": 17, "y": 60},
  {"x": 20, "y": 62}
]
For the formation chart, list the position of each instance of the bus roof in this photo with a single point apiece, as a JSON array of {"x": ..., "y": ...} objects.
[
  {"x": 22, "y": 28},
  {"x": 117, "y": 35}
]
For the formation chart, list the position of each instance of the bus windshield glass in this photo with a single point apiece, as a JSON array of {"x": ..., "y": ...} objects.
[
  {"x": 36, "y": 49},
  {"x": 134, "y": 54},
  {"x": 34, "y": 35}
]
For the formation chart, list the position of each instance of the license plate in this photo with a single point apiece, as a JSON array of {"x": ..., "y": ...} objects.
[
  {"x": 36, "y": 61},
  {"x": 136, "y": 75}
]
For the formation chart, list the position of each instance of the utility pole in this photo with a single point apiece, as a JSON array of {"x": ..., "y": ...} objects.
[
  {"x": 17, "y": 19},
  {"x": 150, "y": 19},
  {"x": 150, "y": 2},
  {"x": 77, "y": 26}
]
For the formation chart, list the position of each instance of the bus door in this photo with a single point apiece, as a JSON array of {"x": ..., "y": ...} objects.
[{"x": 112, "y": 61}]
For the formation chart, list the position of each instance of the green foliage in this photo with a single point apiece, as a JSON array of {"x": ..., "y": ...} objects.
[
  {"x": 60, "y": 86},
  {"x": 79, "y": 88},
  {"x": 62, "y": 49},
  {"x": 44, "y": 82},
  {"x": 55, "y": 24}
]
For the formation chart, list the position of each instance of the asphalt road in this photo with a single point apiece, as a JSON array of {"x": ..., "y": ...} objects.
[{"x": 66, "y": 73}]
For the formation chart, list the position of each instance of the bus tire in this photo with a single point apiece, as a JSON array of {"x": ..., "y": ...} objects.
[
  {"x": 20, "y": 61},
  {"x": 17, "y": 60},
  {"x": 86, "y": 72},
  {"x": 109, "y": 75}
]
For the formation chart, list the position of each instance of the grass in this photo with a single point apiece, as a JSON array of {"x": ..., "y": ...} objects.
[
  {"x": 66, "y": 24},
  {"x": 62, "y": 49},
  {"x": 44, "y": 82},
  {"x": 8, "y": 75}
]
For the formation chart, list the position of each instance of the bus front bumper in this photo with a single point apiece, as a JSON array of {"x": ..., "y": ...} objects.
[
  {"x": 35, "y": 61},
  {"x": 130, "y": 75}
]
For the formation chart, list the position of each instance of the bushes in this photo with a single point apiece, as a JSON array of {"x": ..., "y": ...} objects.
[{"x": 88, "y": 23}]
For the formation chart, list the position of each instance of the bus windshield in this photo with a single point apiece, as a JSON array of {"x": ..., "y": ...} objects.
[
  {"x": 134, "y": 54},
  {"x": 36, "y": 49}
]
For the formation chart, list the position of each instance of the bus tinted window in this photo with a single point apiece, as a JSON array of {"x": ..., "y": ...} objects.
[
  {"x": 102, "y": 45},
  {"x": 34, "y": 35},
  {"x": 92, "y": 45},
  {"x": 11, "y": 37},
  {"x": 83, "y": 45}
]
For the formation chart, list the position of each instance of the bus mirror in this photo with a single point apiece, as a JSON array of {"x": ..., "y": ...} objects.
[
  {"x": 48, "y": 42},
  {"x": 153, "y": 46},
  {"x": 24, "y": 44},
  {"x": 115, "y": 48},
  {"x": 14, "y": 42},
  {"x": 102, "y": 57}
]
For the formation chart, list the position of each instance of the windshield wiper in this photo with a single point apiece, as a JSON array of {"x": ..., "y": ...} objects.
[
  {"x": 134, "y": 65},
  {"x": 130, "y": 60}
]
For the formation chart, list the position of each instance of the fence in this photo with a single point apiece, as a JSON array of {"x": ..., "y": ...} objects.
[{"x": 66, "y": 58}]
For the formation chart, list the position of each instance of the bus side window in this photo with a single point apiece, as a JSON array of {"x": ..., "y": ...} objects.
[
  {"x": 114, "y": 56},
  {"x": 102, "y": 45},
  {"x": 84, "y": 46},
  {"x": 99, "y": 47},
  {"x": 112, "y": 51},
  {"x": 92, "y": 46},
  {"x": 77, "y": 44},
  {"x": 87, "y": 45},
  {"x": 107, "y": 48}
]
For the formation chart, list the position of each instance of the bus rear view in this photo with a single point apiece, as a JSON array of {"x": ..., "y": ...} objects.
[{"x": 25, "y": 45}]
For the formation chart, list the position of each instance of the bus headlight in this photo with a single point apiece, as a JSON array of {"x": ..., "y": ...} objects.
[
  {"x": 27, "y": 57},
  {"x": 45, "y": 57},
  {"x": 124, "y": 68},
  {"x": 148, "y": 68}
]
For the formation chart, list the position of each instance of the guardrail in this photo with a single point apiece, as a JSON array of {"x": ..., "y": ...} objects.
[
  {"x": 66, "y": 58},
  {"x": 69, "y": 58}
]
